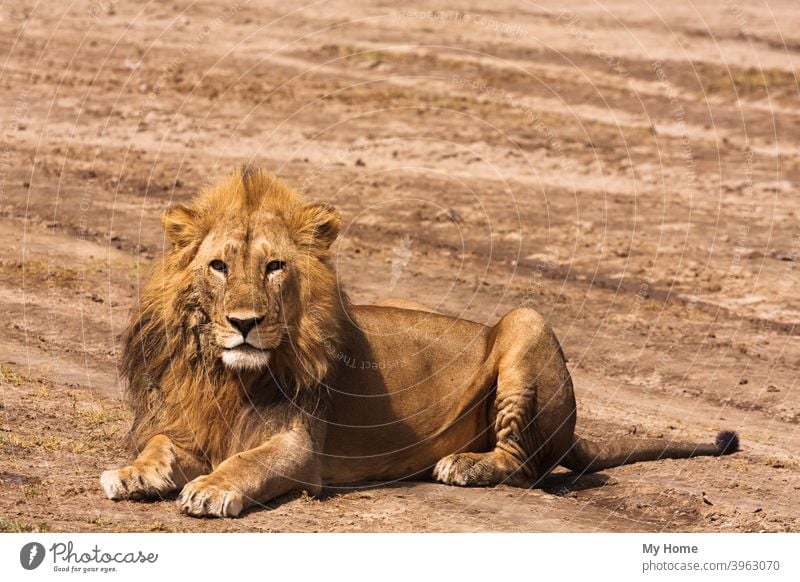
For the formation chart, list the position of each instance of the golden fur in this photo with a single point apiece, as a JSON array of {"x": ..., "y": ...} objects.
[
  {"x": 250, "y": 374},
  {"x": 169, "y": 368}
]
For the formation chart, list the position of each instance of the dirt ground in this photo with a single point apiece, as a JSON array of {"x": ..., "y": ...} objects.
[{"x": 629, "y": 169}]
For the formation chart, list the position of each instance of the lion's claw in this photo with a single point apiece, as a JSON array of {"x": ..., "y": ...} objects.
[
  {"x": 133, "y": 483},
  {"x": 202, "y": 498}
]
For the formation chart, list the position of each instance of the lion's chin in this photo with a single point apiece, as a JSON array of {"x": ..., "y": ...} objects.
[{"x": 245, "y": 358}]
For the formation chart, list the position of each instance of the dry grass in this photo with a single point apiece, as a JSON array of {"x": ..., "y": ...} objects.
[
  {"x": 52, "y": 272},
  {"x": 45, "y": 271},
  {"x": 9, "y": 375},
  {"x": 98, "y": 520},
  {"x": 49, "y": 443},
  {"x": 13, "y": 526},
  {"x": 753, "y": 81},
  {"x": 8, "y": 525},
  {"x": 42, "y": 271},
  {"x": 100, "y": 416}
]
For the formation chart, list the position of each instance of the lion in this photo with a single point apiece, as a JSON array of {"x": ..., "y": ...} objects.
[{"x": 251, "y": 375}]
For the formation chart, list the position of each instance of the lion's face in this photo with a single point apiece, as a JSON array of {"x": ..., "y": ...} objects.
[
  {"x": 246, "y": 276},
  {"x": 255, "y": 254}
]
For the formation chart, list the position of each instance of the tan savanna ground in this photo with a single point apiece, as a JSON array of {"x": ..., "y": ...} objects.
[{"x": 630, "y": 169}]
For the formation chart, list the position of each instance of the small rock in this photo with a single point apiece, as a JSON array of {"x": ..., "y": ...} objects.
[
  {"x": 360, "y": 162},
  {"x": 773, "y": 388},
  {"x": 742, "y": 381}
]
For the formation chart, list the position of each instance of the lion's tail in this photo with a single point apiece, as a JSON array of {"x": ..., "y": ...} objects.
[{"x": 589, "y": 456}]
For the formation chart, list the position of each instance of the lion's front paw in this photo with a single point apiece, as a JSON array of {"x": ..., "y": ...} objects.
[
  {"x": 208, "y": 497},
  {"x": 135, "y": 483}
]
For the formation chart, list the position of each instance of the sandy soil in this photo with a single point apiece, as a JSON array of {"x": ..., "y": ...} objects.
[{"x": 629, "y": 169}]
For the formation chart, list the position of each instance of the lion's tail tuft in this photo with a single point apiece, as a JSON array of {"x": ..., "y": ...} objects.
[{"x": 727, "y": 442}]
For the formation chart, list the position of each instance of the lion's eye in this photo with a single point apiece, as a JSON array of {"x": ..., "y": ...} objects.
[
  {"x": 219, "y": 266},
  {"x": 273, "y": 266}
]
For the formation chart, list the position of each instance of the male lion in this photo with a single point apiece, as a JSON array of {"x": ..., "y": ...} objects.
[{"x": 251, "y": 375}]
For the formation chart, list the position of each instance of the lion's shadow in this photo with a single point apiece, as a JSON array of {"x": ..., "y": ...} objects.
[
  {"x": 559, "y": 483},
  {"x": 565, "y": 482}
]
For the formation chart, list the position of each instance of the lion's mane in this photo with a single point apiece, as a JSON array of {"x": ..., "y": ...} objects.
[{"x": 173, "y": 387}]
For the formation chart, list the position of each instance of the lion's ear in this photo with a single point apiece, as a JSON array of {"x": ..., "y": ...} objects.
[
  {"x": 319, "y": 224},
  {"x": 180, "y": 225}
]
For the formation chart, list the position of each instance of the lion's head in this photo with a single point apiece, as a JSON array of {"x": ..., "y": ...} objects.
[{"x": 248, "y": 289}]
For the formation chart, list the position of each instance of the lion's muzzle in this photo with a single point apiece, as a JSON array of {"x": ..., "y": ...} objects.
[
  {"x": 244, "y": 325},
  {"x": 248, "y": 346}
]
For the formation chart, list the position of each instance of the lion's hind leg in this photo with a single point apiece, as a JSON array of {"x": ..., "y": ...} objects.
[
  {"x": 533, "y": 409},
  {"x": 161, "y": 468},
  {"x": 480, "y": 470}
]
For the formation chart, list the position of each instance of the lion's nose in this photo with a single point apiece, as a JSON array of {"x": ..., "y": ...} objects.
[{"x": 245, "y": 325}]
